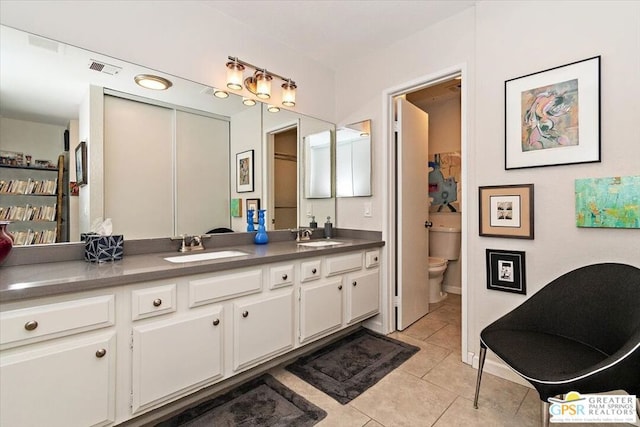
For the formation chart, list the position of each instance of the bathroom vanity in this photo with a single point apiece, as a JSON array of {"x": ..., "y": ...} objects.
[{"x": 98, "y": 344}]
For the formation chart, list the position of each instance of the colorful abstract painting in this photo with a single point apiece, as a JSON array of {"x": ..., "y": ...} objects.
[
  {"x": 550, "y": 116},
  {"x": 608, "y": 202}
]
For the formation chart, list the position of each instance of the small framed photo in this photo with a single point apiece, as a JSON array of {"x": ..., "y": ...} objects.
[
  {"x": 244, "y": 171},
  {"x": 81, "y": 164},
  {"x": 506, "y": 211},
  {"x": 254, "y": 204},
  {"x": 506, "y": 271},
  {"x": 552, "y": 117}
]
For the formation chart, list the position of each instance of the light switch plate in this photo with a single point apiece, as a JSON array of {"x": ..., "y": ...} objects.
[{"x": 367, "y": 210}]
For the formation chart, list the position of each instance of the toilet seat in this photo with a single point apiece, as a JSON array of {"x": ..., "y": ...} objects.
[{"x": 435, "y": 262}]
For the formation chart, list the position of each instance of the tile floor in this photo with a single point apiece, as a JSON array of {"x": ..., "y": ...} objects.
[{"x": 433, "y": 388}]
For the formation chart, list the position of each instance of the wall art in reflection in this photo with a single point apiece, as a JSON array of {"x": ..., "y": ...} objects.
[{"x": 612, "y": 202}]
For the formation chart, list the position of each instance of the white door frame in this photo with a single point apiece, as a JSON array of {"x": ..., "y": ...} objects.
[{"x": 389, "y": 200}]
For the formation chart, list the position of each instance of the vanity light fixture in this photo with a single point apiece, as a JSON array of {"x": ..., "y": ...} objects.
[
  {"x": 259, "y": 83},
  {"x": 150, "y": 81},
  {"x": 220, "y": 93},
  {"x": 249, "y": 102},
  {"x": 273, "y": 108}
]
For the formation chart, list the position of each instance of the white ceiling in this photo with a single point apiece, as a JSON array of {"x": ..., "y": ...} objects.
[{"x": 330, "y": 31}]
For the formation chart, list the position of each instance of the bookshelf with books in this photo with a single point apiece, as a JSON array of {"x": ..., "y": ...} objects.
[{"x": 32, "y": 198}]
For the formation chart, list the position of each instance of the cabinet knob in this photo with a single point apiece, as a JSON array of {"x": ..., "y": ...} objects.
[
  {"x": 340, "y": 287},
  {"x": 100, "y": 353},
  {"x": 157, "y": 302},
  {"x": 285, "y": 277},
  {"x": 31, "y": 325},
  {"x": 375, "y": 258},
  {"x": 314, "y": 271},
  {"x": 354, "y": 283},
  {"x": 216, "y": 322},
  {"x": 245, "y": 314}
]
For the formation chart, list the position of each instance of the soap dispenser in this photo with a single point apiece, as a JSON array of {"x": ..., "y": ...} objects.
[
  {"x": 313, "y": 224},
  {"x": 328, "y": 228}
]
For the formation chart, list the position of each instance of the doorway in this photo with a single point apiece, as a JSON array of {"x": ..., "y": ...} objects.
[
  {"x": 282, "y": 193},
  {"x": 450, "y": 80}
]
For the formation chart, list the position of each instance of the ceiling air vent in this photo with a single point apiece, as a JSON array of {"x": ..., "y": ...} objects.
[
  {"x": 207, "y": 91},
  {"x": 104, "y": 67}
]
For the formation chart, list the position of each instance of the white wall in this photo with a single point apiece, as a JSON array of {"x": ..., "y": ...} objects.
[
  {"x": 497, "y": 41},
  {"x": 185, "y": 38},
  {"x": 41, "y": 141}
]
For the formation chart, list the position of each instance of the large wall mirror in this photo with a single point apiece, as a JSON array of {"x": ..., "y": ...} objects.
[
  {"x": 353, "y": 160},
  {"x": 178, "y": 179}
]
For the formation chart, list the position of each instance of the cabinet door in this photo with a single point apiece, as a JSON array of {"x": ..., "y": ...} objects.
[
  {"x": 320, "y": 309},
  {"x": 363, "y": 295},
  {"x": 70, "y": 384},
  {"x": 262, "y": 328},
  {"x": 175, "y": 355}
]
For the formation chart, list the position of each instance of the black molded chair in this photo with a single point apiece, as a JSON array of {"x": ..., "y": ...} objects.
[
  {"x": 220, "y": 230},
  {"x": 581, "y": 332}
]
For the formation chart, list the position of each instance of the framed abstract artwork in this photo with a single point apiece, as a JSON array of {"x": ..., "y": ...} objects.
[
  {"x": 611, "y": 202},
  {"x": 552, "y": 117},
  {"x": 506, "y": 211},
  {"x": 244, "y": 171},
  {"x": 81, "y": 164},
  {"x": 506, "y": 271}
]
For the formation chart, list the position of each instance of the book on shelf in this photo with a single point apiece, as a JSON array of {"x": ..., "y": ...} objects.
[{"x": 30, "y": 186}]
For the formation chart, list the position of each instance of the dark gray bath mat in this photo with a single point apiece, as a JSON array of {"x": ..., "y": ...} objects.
[
  {"x": 349, "y": 366},
  {"x": 260, "y": 402}
]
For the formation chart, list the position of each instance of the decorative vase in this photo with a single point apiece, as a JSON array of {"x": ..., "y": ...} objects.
[
  {"x": 6, "y": 241},
  {"x": 250, "y": 226},
  {"x": 261, "y": 236}
]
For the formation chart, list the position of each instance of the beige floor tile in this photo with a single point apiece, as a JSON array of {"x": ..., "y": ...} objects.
[
  {"x": 529, "y": 413},
  {"x": 424, "y": 360},
  {"x": 462, "y": 413},
  {"x": 447, "y": 313},
  {"x": 424, "y": 328},
  {"x": 459, "y": 378},
  {"x": 400, "y": 399},
  {"x": 373, "y": 423},
  {"x": 448, "y": 337},
  {"x": 337, "y": 414}
]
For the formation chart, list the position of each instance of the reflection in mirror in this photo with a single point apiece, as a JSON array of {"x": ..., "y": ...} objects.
[
  {"x": 317, "y": 165},
  {"x": 71, "y": 98},
  {"x": 353, "y": 160}
]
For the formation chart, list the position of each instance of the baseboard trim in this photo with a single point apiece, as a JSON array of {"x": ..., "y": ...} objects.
[{"x": 452, "y": 289}]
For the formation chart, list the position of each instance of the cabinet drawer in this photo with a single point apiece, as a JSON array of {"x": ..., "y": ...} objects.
[
  {"x": 280, "y": 276},
  {"x": 56, "y": 320},
  {"x": 218, "y": 288},
  {"x": 344, "y": 263},
  {"x": 310, "y": 270},
  {"x": 153, "y": 301},
  {"x": 371, "y": 259}
]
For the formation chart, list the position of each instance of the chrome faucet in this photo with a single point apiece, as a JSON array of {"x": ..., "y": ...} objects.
[
  {"x": 195, "y": 242},
  {"x": 302, "y": 233}
]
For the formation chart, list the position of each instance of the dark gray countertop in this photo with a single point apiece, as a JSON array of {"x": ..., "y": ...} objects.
[{"x": 20, "y": 282}]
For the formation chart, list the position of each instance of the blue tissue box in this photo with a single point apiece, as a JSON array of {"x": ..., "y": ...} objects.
[{"x": 103, "y": 248}]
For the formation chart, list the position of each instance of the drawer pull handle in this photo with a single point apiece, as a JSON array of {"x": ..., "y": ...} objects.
[
  {"x": 285, "y": 277},
  {"x": 157, "y": 302},
  {"x": 31, "y": 325},
  {"x": 375, "y": 259},
  {"x": 100, "y": 353},
  {"x": 216, "y": 322},
  {"x": 355, "y": 283},
  {"x": 314, "y": 271},
  {"x": 340, "y": 287},
  {"x": 245, "y": 314}
]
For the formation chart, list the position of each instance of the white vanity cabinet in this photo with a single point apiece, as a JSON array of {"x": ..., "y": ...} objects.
[
  {"x": 363, "y": 290},
  {"x": 320, "y": 308},
  {"x": 176, "y": 355},
  {"x": 263, "y": 327},
  {"x": 57, "y": 365}
]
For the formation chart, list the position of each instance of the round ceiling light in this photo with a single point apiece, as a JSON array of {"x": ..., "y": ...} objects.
[{"x": 150, "y": 81}]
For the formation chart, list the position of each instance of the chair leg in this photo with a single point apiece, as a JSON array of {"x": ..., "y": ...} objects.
[
  {"x": 483, "y": 355},
  {"x": 638, "y": 407},
  {"x": 545, "y": 413}
]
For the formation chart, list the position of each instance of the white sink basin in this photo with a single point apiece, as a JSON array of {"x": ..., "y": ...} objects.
[
  {"x": 204, "y": 256},
  {"x": 320, "y": 243}
]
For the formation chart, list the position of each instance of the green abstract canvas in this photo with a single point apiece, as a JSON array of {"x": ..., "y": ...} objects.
[{"x": 608, "y": 202}]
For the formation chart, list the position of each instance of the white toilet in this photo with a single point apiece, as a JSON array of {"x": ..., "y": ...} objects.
[{"x": 444, "y": 246}]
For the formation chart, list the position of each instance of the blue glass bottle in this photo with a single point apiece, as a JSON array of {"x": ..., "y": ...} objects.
[
  {"x": 261, "y": 236},
  {"x": 250, "y": 226}
]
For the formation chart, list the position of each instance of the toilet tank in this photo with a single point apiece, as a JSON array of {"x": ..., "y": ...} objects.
[{"x": 444, "y": 242}]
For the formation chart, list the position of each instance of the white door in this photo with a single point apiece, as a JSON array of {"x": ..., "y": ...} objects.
[{"x": 412, "y": 142}]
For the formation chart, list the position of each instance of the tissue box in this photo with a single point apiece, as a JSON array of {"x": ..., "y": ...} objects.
[{"x": 103, "y": 248}]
